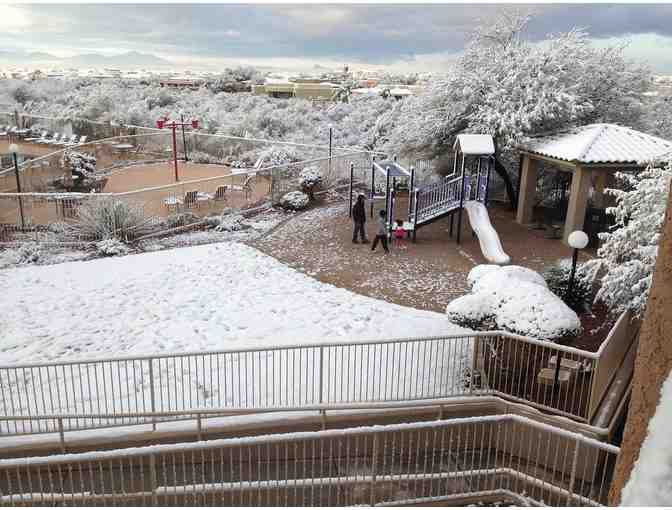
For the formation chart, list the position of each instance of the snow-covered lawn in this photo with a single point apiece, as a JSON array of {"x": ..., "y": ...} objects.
[{"x": 222, "y": 296}]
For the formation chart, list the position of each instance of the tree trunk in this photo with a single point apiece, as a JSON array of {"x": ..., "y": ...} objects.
[
  {"x": 653, "y": 362},
  {"x": 510, "y": 191}
]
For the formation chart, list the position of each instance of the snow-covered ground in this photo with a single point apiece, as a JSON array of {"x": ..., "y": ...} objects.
[{"x": 221, "y": 296}]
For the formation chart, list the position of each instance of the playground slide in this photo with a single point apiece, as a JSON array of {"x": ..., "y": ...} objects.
[{"x": 488, "y": 238}]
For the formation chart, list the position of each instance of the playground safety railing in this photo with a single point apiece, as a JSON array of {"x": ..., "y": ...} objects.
[
  {"x": 292, "y": 376},
  {"x": 503, "y": 458},
  {"x": 437, "y": 198}
]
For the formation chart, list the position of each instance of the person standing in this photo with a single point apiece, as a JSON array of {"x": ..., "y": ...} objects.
[
  {"x": 359, "y": 218},
  {"x": 381, "y": 232}
]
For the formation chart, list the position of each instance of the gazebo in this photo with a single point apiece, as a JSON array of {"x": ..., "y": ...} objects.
[{"x": 592, "y": 154}]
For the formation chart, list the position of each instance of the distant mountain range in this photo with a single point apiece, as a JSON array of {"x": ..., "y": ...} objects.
[{"x": 128, "y": 59}]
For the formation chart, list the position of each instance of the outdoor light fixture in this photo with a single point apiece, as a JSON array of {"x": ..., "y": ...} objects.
[
  {"x": 577, "y": 240},
  {"x": 164, "y": 122},
  {"x": 14, "y": 149}
]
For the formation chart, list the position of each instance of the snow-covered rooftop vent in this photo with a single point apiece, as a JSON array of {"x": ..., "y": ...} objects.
[
  {"x": 599, "y": 143},
  {"x": 475, "y": 145}
]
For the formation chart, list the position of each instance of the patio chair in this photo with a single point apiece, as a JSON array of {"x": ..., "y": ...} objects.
[
  {"x": 172, "y": 203},
  {"x": 54, "y": 140},
  {"x": 220, "y": 194},
  {"x": 190, "y": 199},
  {"x": 73, "y": 141},
  {"x": 36, "y": 138},
  {"x": 67, "y": 140},
  {"x": 44, "y": 139}
]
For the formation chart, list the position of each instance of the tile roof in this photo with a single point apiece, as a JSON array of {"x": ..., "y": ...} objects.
[{"x": 600, "y": 143}]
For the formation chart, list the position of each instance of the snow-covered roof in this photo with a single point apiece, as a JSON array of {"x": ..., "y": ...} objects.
[
  {"x": 475, "y": 144},
  {"x": 599, "y": 143}
]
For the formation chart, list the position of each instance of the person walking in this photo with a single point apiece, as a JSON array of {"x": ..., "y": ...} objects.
[
  {"x": 381, "y": 232},
  {"x": 359, "y": 218}
]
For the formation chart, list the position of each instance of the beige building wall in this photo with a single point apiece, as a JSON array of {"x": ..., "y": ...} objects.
[{"x": 653, "y": 363}]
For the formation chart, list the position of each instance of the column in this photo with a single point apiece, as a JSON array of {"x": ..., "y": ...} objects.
[
  {"x": 578, "y": 201},
  {"x": 528, "y": 188},
  {"x": 598, "y": 186}
]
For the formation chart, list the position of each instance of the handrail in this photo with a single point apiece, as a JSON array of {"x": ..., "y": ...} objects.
[
  {"x": 197, "y": 468},
  {"x": 476, "y": 334},
  {"x": 225, "y": 412}
]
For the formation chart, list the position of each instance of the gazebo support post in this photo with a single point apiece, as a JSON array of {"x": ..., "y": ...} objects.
[
  {"x": 528, "y": 188},
  {"x": 578, "y": 201}
]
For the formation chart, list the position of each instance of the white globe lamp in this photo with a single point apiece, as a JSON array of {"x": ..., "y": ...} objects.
[{"x": 578, "y": 240}]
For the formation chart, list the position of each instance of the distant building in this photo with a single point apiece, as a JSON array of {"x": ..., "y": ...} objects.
[{"x": 182, "y": 83}]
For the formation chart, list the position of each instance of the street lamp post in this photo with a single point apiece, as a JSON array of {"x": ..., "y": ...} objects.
[
  {"x": 184, "y": 139},
  {"x": 578, "y": 240},
  {"x": 173, "y": 125},
  {"x": 331, "y": 131},
  {"x": 14, "y": 149}
]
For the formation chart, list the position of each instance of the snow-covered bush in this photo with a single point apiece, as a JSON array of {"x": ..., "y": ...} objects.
[
  {"x": 628, "y": 253},
  {"x": 514, "y": 299},
  {"x": 111, "y": 247},
  {"x": 294, "y": 200},
  {"x": 231, "y": 223},
  {"x": 181, "y": 219},
  {"x": 82, "y": 167},
  {"x": 279, "y": 155},
  {"x": 27, "y": 253},
  {"x": 105, "y": 217},
  {"x": 310, "y": 179},
  {"x": 204, "y": 157},
  {"x": 557, "y": 279},
  {"x": 81, "y": 164}
]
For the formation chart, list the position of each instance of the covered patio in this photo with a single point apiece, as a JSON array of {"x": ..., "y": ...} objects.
[{"x": 592, "y": 154}]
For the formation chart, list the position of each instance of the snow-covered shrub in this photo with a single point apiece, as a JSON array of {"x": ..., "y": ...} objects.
[
  {"x": 111, "y": 247},
  {"x": 181, "y": 219},
  {"x": 204, "y": 157},
  {"x": 515, "y": 299},
  {"x": 294, "y": 200},
  {"x": 557, "y": 279},
  {"x": 231, "y": 223},
  {"x": 27, "y": 253},
  {"x": 81, "y": 164},
  {"x": 278, "y": 155},
  {"x": 82, "y": 167},
  {"x": 628, "y": 253},
  {"x": 105, "y": 217},
  {"x": 310, "y": 179}
]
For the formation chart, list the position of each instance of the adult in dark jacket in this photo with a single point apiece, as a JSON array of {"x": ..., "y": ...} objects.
[{"x": 359, "y": 218}]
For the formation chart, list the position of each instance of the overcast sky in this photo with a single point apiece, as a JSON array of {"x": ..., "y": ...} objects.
[{"x": 413, "y": 37}]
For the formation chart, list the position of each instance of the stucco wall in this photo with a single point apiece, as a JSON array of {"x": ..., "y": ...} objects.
[{"x": 654, "y": 361}]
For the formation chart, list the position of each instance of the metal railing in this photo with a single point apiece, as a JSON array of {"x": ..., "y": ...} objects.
[
  {"x": 507, "y": 456},
  {"x": 437, "y": 198},
  {"x": 292, "y": 376}
]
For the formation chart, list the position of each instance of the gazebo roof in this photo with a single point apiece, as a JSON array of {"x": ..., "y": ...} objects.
[
  {"x": 476, "y": 145},
  {"x": 599, "y": 144}
]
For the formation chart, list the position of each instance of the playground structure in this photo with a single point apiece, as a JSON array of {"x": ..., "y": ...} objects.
[{"x": 466, "y": 188}]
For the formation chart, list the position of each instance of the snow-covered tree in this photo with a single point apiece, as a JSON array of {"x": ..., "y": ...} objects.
[
  {"x": 511, "y": 87},
  {"x": 628, "y": 252}
]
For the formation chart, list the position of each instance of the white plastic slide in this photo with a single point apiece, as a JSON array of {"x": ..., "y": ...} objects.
[{"x": 488, "y": 238}]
